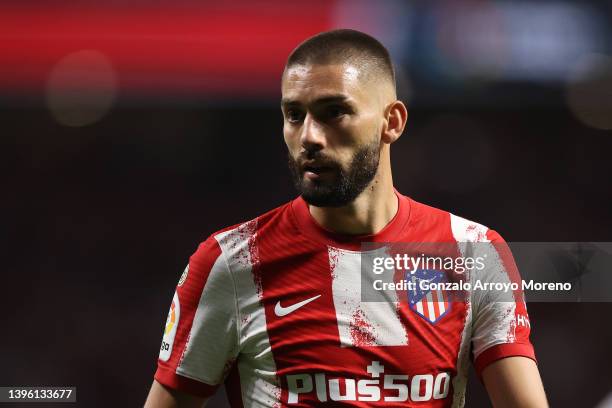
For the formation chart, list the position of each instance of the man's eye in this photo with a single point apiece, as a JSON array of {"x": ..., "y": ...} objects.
[
  {"x": 293, "y": 116},
  {"x": 336, "y": 111}
]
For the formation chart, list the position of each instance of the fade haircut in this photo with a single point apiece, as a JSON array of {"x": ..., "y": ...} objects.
[{"x": 342, "y": 46}]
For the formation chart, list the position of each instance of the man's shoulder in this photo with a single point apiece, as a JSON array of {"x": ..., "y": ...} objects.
[{"x": 462, "y": 229}]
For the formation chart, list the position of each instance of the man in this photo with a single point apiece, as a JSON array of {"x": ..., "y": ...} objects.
[{"x": 273, "y": 308}]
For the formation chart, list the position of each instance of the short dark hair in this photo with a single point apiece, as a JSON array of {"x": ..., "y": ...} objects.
[{"x": 345, "y": 45}]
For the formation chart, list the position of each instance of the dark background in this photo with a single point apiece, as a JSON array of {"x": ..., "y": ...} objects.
[{"x": 99, "y": 217}]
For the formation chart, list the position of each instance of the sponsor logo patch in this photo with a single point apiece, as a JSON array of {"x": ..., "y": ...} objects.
[
  {"x": 170, "y": 329},
  {"x": 381, "y": 386}
]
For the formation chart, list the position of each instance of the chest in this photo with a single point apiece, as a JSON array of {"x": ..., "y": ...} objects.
[{"x": 327, "y": 309}]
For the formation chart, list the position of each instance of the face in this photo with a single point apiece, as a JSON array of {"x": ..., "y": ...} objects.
[{"x": 332, "y": 125}]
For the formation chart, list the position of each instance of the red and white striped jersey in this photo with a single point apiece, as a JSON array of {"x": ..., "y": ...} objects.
[{"x": 273, "y": 309}]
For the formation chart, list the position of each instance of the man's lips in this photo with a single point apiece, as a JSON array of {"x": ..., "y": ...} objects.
[
  {"x": 314, "y": 172},
  {"x": 316, "y": 169}
]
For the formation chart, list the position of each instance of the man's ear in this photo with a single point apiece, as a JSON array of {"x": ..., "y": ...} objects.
[{"x": 396, "y": 115}]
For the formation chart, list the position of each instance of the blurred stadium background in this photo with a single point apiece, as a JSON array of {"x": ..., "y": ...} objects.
[{"x": 132, "y": 130}]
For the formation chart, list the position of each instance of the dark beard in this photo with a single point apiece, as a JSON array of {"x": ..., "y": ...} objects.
[{"x": 345, "y": 186}]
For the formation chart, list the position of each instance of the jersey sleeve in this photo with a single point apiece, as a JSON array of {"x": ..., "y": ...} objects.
[
  {"x": 199, "y": 343},
  {"x": 501, "y": 325}
]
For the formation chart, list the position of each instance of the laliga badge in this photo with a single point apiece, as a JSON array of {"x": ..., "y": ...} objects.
[
  {"x": 184, "y": 276},
  {"x": 170, "y": 330}
]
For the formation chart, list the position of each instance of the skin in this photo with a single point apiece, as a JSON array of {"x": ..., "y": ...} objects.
[
  {"x": 362, "y": 110},
  {"x": 514, "y": 382},
  {"x": 336, "y": 109}
]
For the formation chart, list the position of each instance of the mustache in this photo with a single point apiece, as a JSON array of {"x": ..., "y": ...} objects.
[{"x": 314, "y": 159}]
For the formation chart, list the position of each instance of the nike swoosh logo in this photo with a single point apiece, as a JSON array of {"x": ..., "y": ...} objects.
[{"x": 284, "y": 311}]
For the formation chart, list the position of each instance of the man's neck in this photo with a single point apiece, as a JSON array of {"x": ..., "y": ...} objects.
[{"x": 369, "y": 213}]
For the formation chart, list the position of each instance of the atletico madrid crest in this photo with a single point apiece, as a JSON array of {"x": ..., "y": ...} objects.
[{"x": 429, "y": 303}]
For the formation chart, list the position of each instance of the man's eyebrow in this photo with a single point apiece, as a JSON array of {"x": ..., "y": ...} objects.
[{"x": 321, "y": 100}]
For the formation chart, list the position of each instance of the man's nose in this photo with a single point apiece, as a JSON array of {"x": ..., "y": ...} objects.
[{"x": 313, "y": 134}]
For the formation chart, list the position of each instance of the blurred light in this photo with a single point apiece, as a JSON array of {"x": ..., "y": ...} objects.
[
  {"x": 515, "y": 40},
  {"x": 390, "y": 24},
  {"x": 81, "y": 88},
  {"x": 472, "y": 39},
  {"x": 235, "y": 49},
  {"x": 589, "y": 90},
  {"x": 607, "y": 402}
]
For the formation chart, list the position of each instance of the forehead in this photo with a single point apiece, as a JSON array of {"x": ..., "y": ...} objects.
[{"x": 302, "y": 83}]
